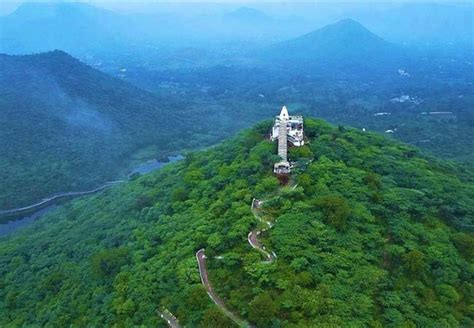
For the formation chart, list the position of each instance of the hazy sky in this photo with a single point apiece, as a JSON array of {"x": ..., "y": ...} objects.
[{"x": 8, "y": 6}]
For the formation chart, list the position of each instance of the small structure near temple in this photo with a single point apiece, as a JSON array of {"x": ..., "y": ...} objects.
[{"x": 287, "y": 129}]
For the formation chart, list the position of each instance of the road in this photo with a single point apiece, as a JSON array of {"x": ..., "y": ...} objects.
[
  {"x": 201, "y": 259},
  {"x": 49, "y": 200}
]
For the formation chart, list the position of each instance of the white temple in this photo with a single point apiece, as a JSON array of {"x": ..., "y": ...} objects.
[
  {"x": 294, "y": 127},
  {"x": 286, "y": 129}
]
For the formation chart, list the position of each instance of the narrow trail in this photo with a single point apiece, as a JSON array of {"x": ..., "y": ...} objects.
[
  {"x": 254, "y": 234},
  {"x": 201, "y": 259},
  {"x": 170, "y": 319},
  {"x": 253, "y": 240}
]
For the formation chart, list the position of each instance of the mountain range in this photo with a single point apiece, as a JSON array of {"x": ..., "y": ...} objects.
[{"x": 82, "y": 29}]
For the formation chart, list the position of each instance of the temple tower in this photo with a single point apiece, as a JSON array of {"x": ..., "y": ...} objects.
[
  {"x": 283, "y": 140},
  {"x": 287, "y": 129},
  {"x": 282, "y": 167}
]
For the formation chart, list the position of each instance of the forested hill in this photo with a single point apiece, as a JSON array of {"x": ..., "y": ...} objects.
[
  {"x": 374, "y": 234},
  {"x": 65, "y": 126},
  {"x": 344, "y": 43}
]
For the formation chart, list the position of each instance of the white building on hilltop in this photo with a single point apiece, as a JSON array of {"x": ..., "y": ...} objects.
[
  {"x": 294, "y": 127},
  {"x": 286, "y": 129}
]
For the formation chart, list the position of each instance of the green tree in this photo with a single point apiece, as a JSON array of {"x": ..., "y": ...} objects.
[
  {"x": 336, "y": 210},
  {"x": 214, "y": 317},
  {"x": 465, "y": 244},
  {"x": 262, "y": 310},
  {"x": 108, "y": 262},
  {"x": 414, "y": 262}
]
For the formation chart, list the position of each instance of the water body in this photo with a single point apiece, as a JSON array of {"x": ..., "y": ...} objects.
[
  {"x": 154, "y": 164},
  {"x": 8, "y": 227}
]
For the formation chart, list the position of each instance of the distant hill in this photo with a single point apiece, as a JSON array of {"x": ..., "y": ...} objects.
[
  {"x": 73, "y": 27},
  {"x": 85, "y": 30},
  {"x": 249, "y": 15},
  {"x": 370, "y": 234},
  {"x": 345, "y": 42},
  {"x": 66, "y": 126}
]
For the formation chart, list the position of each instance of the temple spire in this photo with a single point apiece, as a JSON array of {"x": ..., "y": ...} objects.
[
  {"x": 288, "y": 130},
  {"x": 284, "y": 113}
]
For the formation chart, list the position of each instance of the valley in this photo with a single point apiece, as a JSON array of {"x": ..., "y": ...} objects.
[
  {"x": 87, "y": 127},
  {"x": 13, "y": 219}
]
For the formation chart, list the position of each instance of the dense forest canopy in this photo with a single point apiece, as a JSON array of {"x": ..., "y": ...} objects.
[
  {"x": 374, "y": 234},
  {"x": 66, "y": 126}
]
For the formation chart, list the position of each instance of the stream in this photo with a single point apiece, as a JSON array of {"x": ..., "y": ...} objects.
[{"x": 48, "y": 204}]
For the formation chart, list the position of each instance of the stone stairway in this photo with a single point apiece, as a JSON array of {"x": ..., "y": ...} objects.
[{"x": 282, "y": 141}]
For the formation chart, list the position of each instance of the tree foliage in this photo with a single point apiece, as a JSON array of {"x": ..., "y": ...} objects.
[{"x": 344, "y": 257}]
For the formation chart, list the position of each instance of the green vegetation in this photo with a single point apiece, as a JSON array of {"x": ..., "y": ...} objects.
[
  {"x": 375, "y": 234},
  {"x": 65, "y": 126},
  {"x": 350, "y": 96}
]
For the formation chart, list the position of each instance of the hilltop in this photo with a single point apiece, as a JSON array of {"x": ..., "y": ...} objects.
[
  {"x": 374, "y": 233},
  {"x": 342, "y": 43},
  {"x": 247, "y": 15}
]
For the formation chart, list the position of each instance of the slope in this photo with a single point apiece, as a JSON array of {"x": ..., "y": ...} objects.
[
  {"x": 65, "y": 126},
  {"x": 374, "y": 234},
  {"x": 345, "y": 42}
]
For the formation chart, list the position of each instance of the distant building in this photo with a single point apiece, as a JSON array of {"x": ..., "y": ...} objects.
[{"x": 287, "y": 129}]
